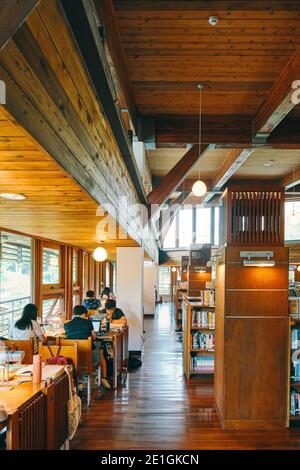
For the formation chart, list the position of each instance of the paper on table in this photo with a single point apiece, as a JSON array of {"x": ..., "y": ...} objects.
[{"x": 48, "y": 371}]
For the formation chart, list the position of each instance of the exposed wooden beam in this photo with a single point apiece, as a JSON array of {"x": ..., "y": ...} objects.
[
  {"x": 176, "y": 132},
  {"x": 280, "y": 101},
  {"x": 233, "y": 161},
  {"x": 175, "y": 177},
  {"x": 82, "y": 23},
  {"x": 291, "y": 180},
  {"x": 106, "y": 12},
  {"x": 13, "y": 13}
]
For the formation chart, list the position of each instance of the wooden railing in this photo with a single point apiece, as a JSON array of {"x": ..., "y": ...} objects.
[
  {"x": 32, "y": 424},
  {"x": 253, "y": 216}
]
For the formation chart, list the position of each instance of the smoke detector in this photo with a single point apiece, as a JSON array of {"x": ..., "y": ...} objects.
[{"x": 213, "y": 20}]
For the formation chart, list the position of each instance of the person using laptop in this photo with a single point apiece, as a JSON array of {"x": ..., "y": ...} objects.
[
  {"x": 82, "y": 328},
  {"x": 115, "y": 314},
  {"x": 90, "y": 301}
]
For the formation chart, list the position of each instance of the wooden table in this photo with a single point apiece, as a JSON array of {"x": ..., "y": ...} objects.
[
  {"x": 37, "y": 414},
  {"x": 119, "y": 339}
]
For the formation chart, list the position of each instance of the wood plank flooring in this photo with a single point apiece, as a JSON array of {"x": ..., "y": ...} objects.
[{"x": 159, "y": 410}]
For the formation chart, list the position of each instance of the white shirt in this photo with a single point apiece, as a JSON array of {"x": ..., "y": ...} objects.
[{"x": 35, "y": 332}]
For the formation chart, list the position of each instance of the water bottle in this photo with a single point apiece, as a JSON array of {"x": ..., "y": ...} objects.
[{"x": 107, "y": 325}]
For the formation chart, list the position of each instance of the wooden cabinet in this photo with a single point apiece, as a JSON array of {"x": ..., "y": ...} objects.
[{"x": 251, "y": 341}]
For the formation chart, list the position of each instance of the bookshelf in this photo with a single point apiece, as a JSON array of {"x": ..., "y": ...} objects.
[
  {"x": 179, "y": 295},
  {"x": 198, "y": 334},
  {"x": 293, "y": 411}
]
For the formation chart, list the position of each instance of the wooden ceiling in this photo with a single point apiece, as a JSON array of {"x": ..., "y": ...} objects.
[
  {"x": 56, "y": 207},
  {"x": 169, "y": 47},
  {"x": 264, "y": 163}
]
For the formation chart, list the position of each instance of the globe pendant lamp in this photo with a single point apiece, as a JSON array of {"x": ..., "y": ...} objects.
[
  {"x": 100, "y": 254},
  {"x": 199, "y": 187}
]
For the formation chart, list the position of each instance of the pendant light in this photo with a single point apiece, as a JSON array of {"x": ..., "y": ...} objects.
[
  {"x": 199, "y": 187},
  {"x": 100, "y": 254}
]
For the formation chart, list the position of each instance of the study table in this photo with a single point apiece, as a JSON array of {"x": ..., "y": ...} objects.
[
  {"x": 37, "y": 413},
  {"x": 117, "y": 338}
]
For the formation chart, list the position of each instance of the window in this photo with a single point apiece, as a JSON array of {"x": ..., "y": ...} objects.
[
  {"x": 292, "y": 220},
  {"x": 16, "y": 276},
  {"x": 164, "y": 281},
  {"x": 170, "y": 239},
  {"x": 203, "y": 227},
  {"x": 185, "y": 227},
  {"x": 51, "y": 266},
  {"x": 75, "y": 268},
  {"x": 53, "y": 309}
]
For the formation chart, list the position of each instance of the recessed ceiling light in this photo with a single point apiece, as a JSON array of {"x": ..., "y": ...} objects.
[
  {"x": 213, "y": 20},
  {"x": 269, "y": 163},
  {"x": 12, "y": 196}
]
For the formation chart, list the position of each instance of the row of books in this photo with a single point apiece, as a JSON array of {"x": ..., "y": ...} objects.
[
  {"x": 295, "y": 403},
  {"x": 203, "y": 319},
  {"x": 202, "y": 364},
  {"x": 295, "y": 370},
  {"x": 203, "y": 340},
  {"x": 295, "y": 339},
  {"x": 207, "y": 296}
]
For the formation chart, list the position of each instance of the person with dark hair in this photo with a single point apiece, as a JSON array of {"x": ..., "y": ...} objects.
[
  {"x": 82, "y": 328},
  {"x": 116, "y": 315},
  {"x": 105, "y": 295},
  {"x": 27, "y": 327},
  {"x": 90, "y": 301}
]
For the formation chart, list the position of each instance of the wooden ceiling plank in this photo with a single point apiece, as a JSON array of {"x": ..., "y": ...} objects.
[
  {"x": 13, "y": 14},
  {"x": 280, "y": 101}
]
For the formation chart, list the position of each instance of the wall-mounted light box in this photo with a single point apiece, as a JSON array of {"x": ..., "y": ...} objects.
[{"x": 259, "y": 259}]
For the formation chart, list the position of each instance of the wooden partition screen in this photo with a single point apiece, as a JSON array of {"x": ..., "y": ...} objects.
[{"x": 253, "y": 216}]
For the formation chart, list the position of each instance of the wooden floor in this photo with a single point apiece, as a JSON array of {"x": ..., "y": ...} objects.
[{"x": 159, "y": 410}]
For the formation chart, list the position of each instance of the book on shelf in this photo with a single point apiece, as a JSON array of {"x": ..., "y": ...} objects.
[
  {"x": 295, "y": 403},
  {"x": 207, "y": 296},
  {"x": 203, "y": 319},
  {"x": 295, "y": 338},
  {"x": 205, "y": 341},
  {"x": 202, "y": 364}
]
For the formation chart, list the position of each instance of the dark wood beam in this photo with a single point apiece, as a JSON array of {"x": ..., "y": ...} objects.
[
  {"x": 13, "y": 13},
  {"x": 82, "y": 23},
  {"x": 106, "y": 12},
  {"x": 176, "y": 132},
  {"x": 280, "y": 101},
  {"x": 175, "y": 177},
  {"x": 291, "y": 180}
]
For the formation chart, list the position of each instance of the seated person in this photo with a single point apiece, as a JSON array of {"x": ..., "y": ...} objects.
[
  {"x": 82, "y": 328},
  {"x": 27, "y": 327},
  {"x": 90, "y": 302},
  {"x": 105, "y": 295},
  {"x": 115, "y": 314}
]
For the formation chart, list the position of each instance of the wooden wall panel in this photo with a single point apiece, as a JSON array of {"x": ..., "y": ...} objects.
[{"x": 252, "y": 329}]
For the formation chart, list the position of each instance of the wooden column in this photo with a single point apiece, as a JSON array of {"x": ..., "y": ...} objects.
[{"x": 251, "y": 326}]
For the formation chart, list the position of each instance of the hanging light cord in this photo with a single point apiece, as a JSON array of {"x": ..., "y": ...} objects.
[{"x": 200, "y": 122}]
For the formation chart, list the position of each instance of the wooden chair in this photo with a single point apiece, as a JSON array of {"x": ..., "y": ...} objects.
[
  {"x": 22, "y": 345},
  {"x": 69, "y": 352},
  {"x": 85, "y": 364}
]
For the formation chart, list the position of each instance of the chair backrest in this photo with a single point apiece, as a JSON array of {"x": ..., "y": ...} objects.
[
  {"x": 84, "y": 352},
  {"x": 69, "y": 352},
  {"x": 26, "y": 345}
]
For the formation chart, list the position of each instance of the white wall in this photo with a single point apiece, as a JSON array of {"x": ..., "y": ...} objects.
[
  {"x": 150, "y": 279},
  {"x": 130, "y": 292}
]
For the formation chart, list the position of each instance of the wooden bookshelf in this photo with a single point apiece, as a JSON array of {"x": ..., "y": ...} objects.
[
  {"x": 179, "y": 296},
  {"x": 189, "y": 307},
  {"x": 294, "y": 322}
]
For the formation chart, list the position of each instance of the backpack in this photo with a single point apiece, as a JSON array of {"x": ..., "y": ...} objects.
[{"x": 57, "y": 360}]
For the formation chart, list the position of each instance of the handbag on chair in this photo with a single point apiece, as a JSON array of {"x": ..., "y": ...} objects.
[
  {"x": 58, "y": 359},
  {"x": 73, "y": 406}
]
